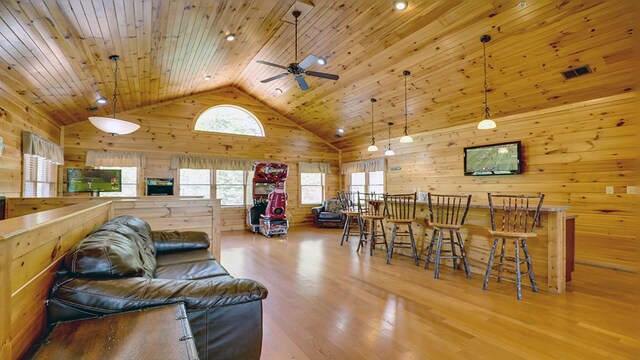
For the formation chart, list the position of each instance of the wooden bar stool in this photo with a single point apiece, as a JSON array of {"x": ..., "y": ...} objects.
[
  {"x": 371, "y": 214},
  {"x": 401, "y": 211},
  {"x": 349, "y": 201},
  {"x": 518, "y": 216},
  {"x": 447, "y": 214}
]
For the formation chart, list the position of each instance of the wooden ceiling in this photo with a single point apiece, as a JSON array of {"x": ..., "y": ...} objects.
[{"x": 55, "y": 53}]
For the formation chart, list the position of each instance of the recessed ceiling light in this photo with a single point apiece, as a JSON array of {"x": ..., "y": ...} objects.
[
  {"x": 230, "y": 37},
  {"x": 207, "y": 77},
  {"x": 101, "y": 100},
  {"x": 341, "y": 130},
  {"x": 322, "y": 61},
  {"x": 278, "y": 91},
  {"x": 522, "y": 5},
  {"x": 401, "y": 5}
]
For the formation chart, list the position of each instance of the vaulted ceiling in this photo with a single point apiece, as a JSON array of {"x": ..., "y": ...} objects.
[{"x": 55, "y": 53}]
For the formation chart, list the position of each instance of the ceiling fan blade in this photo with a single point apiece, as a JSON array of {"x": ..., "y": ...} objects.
[
  {"x": 302, "y": 82},
  {"x": 308, "y": 61},
  {"x": 274, "y": 78},
  {"x": 322, "y": 75},
  {"x": 271, "y": 64}
]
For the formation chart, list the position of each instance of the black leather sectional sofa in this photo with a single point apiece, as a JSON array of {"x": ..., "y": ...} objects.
[{"x": 124, "y": 266}]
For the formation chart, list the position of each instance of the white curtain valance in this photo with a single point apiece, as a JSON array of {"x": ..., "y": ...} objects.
[
  {"x": 115, "y": 158},
  {"x": 363, "y": 166},
  {"x": 205, "y": 162},
  {"x": 314, "y": 167},
  {"x": 33, "y": 144}
]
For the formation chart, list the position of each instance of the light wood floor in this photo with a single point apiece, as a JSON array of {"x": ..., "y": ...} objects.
[{"x": 328, "y": 302}]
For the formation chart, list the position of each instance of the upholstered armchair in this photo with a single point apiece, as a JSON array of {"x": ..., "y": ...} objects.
[{"x": 329, "y": 214}]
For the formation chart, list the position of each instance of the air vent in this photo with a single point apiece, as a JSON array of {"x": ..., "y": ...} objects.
[
  {"x": 92, "y": 108},
  {"x": 569, "y": 74}
]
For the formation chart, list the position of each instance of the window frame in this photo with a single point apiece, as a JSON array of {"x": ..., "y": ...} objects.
[
  {"x": 252, "y": 115},
  {"x": 367, "y": 181},
  {"x": 243, "y": 186},
  {"x": 210, "y": 184},
  {"x": 323, "y": 187},
  {"x": 52, "y": 178},
  {"x": 247, "y": 176}
]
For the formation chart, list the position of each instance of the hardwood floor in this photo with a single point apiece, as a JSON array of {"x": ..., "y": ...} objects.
[{"x": 328, "y": 302}]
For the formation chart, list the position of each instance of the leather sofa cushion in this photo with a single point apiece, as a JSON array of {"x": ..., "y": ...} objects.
[
  {"x": 168, "y": 241},
  {"x": 140, "y": 226},
  {"x": 183, "y": 257},
  {"x": 191, "y": 270},
  {"x": 147, "y": 257},
  {"x": 330, "y": 216},
  {"x": 105, "y": 254}
]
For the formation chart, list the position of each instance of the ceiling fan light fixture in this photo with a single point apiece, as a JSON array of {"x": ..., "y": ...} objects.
[
  {"x": 401, "y": 5},
  {"x": 230, "y": 37},
  {"x": 207, "y": 77},
  {"x": 112, "y": 125},
  {"x": 341, "y": 130},
  {"x": 101, "y": 100},
  {"x": 321, "y": 61},
  {"x": 486, "y": 123}
]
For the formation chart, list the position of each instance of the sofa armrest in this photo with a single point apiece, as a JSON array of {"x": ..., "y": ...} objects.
[
  {"x": 170, "y": 241},
  {"x": 73, "y": 298},
  {"x": 317, "y": 210}
]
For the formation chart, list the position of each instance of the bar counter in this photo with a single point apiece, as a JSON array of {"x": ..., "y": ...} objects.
[{"x": 547, "y": 249}]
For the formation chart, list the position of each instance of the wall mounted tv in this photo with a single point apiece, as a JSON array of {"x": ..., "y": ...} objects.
[
  {"x": 494, "y": 159},
  {"x": 93, "y": 180}
]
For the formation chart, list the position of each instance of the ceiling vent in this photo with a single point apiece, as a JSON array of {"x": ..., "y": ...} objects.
[
  {"x": 569, "y": 74},
  {"x": 92, "y": 108}
]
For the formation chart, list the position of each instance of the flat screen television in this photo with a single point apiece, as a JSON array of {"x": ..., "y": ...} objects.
[
  {"x": 159, "y": 186},
  {"x": 93, "y": 180},
  {"x": 494, "y": 159}
]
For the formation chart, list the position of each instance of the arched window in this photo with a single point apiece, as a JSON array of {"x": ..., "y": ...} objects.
[{"x": 229, "y": 119}]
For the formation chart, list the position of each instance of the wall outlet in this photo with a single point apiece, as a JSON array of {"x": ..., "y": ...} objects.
[
  {"x": 609, "y": 190},
  {"x": 631, "y": 190}
]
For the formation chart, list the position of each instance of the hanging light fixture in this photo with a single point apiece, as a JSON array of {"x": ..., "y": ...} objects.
[
  {"x": 389, "y": 152},
  {"x": 112, "y": 125},
  {"x": 406, "y": 138},
  {"x": 373, "y": 146},
  {"x": 486, "y": 123}
]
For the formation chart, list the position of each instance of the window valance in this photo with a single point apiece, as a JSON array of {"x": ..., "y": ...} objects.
[
  {"x": 363, "y": 166},
  {"x": 115, "y": 158},
  {"x": 206, "y": 162},
  {"x": 33, "y": 144},
  {"x": 314, "y": 167}
]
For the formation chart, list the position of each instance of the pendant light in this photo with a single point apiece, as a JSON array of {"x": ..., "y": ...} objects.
[
  {"x": 112, "y": 125},
  {"x": 389, "y": 152},
  {"x": 486, "y": 123},
  {"x": 406, "y": 138},
  {"x": 373, "y": 146}
]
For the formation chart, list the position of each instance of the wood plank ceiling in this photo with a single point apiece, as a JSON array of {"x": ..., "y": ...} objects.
[{"x": 55, "y": 53}]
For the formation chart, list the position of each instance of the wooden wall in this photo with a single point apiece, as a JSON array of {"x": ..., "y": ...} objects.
[
  {"x": 18, "y": 114},
  {"x": 571, "y": 153},
  {"x": 166, "y": 129}
]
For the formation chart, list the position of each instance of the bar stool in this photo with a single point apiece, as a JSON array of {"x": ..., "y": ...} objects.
[
  {"x": 444, "y": 216},
  {"x": 371, "y": 214},
  {"x": 401, "y": 211},
  {"x": 349, "y": 201},
  {"x": 518, "y": 215}
]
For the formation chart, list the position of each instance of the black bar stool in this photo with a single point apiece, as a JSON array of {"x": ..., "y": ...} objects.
[
  {"x": 445, "y": 216},
  {"x": 401, "y": 211},
  {"x": 349, "y": 201},
  {"x": 370, "y": 210},
  {"x": 517, "y": 216}
]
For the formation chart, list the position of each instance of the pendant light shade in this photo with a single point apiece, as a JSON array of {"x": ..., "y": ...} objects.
[
  {"x": 112, "y": 125},
  {"x": 406, "y": 138},
  {"x": 486, "y": 123},
  {"x": 373, "y": 146},
  {"x": 389, "y": 152}
]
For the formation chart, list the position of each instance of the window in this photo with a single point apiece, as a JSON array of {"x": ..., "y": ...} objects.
[
  {"x": 230, "y": 187},
  {"x": 229, "y": 119},
  {"x": 195, "y": 182},
  {"x": 372, "y": 182},
  {"x": 311, "y": 188},
  {"x": 40, "y": 177},
  {"x": 129, "y": 181}
]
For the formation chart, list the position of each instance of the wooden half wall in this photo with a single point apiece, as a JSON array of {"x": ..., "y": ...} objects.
[
  {"x": 571, "y": 153},
  {"x": 167, "y": 129}
]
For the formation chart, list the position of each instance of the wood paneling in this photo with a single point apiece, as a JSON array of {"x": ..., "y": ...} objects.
[
  {"x": 54, "y": 53},
  {"x": 32, "y": 248},
  {"x": 571, "y": 153},
  {"x": 166, "y": 129}
]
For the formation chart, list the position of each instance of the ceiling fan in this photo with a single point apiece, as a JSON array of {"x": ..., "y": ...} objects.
[{"x": 298, "y": 69}]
